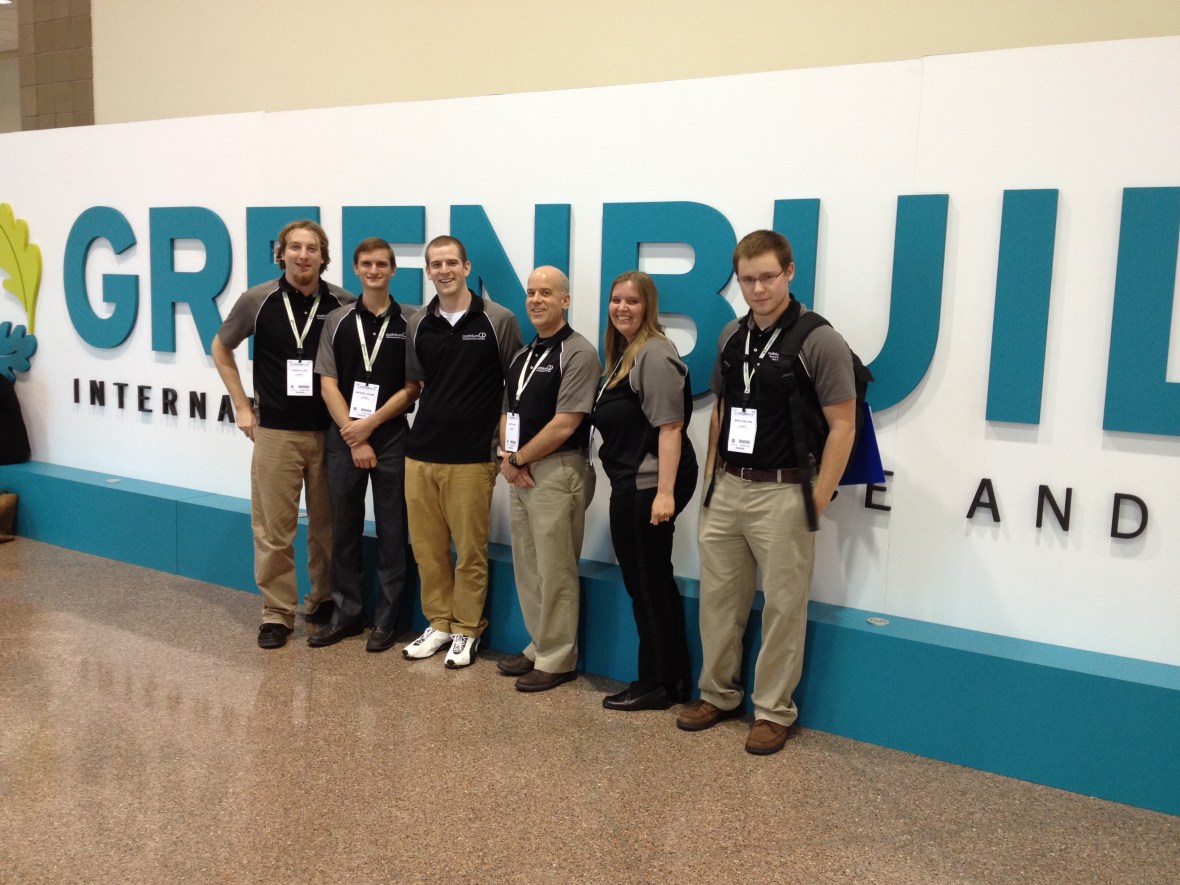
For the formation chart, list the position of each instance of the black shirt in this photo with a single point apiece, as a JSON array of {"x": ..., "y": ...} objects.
[
  {"x": 825, "y": 363},
  {"x": 340, "y": 356},
  {"x": 656, "y": 391},
  {"x": 260, "y": 312},
  {"x": 462, "y": 368},
  {"x": 561, "y": 375}
]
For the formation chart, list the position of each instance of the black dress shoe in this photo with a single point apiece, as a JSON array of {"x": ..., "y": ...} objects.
[
  {"x": 322, "y": 613},
  {"x": 380, "y": 640},
  {"x": 273, "y": 635},
  {"x": 636, "y": 697},
  {"x": 332, "y": 635}
]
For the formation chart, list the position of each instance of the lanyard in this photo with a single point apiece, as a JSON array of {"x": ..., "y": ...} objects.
[
  {"x": 299, "y": 339},
  {"x": 369, "y": 358},
  {"x": 606, "y": 380},
  {"x": 747, "y": 371},
  {"x": 525, "y": 375}
]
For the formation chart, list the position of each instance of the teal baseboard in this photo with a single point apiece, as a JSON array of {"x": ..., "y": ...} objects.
[{"x": 1081, "y": 721}]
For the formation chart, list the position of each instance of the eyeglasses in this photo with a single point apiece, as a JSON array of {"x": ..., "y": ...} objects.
[{"x": 766, "y": 279}]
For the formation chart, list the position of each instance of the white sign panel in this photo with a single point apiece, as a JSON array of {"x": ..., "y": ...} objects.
[{"x": 988, "y": 231}]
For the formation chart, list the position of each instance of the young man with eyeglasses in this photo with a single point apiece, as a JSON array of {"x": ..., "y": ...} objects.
[{"x": 755, "y": 515}]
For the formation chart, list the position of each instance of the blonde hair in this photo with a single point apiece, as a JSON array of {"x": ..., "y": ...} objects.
[{"x": 620, "y": 354}]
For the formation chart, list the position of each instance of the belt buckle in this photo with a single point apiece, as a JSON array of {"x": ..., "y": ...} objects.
[{"x": 744, "y": 471}]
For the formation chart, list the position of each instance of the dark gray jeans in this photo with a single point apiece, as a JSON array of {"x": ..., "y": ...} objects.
[{"x": 347, "y": 484}]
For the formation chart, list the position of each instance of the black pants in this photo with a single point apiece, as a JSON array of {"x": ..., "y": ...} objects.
[
  {"x": 347, "y": 484},
  {"x": 644, "y": 552}
]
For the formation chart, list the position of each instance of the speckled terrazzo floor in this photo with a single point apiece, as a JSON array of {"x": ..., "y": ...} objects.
[{"x": 144, "y": 737}]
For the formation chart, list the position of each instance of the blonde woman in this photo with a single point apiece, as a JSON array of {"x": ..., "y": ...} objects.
[{"x": 642, "y": 415}]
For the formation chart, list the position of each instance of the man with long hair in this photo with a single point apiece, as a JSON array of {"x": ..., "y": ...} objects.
[{"x": 285, "y": 422}]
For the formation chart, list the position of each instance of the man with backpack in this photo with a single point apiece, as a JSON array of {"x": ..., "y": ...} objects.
[{"x": 764, "y": 492}]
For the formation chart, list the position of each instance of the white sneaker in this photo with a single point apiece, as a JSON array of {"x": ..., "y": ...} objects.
[
  {"x": 429, "y": 643},
  {"x": 462, "y": 651}
]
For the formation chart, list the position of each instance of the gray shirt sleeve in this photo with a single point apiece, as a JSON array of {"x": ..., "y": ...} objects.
[
  {"x": 507, "y": 333},
  {"x": 243, "y": 316},
  {"x": 828, "y": 361},
  {"x": 658, "y": 379},
  {"x": 716, "y": 382},
  {"x": 580, "y": 372},
  {"x": 325, "y": 358},
  {"x": 414, "y": 370}
]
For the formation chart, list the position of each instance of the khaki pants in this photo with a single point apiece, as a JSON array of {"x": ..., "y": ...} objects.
[
  {"x": 284, "y": 462},
  {"x": 547, "y": 526},
  {"x": 445, "y": 502},
  {"x": 752, "y": 524}
]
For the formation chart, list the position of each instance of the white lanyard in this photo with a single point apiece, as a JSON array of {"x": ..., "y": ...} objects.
[
  {"x": 747, "y": 372},
  {"x": 299, "y": 339},
  {"x": 525, "y": 375},
  {"x": 606, "y": 381},
  {"x": 601, "y": 391},
  {"x": 370, "y": 359}
]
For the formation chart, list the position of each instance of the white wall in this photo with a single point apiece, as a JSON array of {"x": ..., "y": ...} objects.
[{"x": 969, "y": 126}]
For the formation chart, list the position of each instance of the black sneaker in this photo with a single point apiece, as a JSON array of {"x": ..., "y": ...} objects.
[
  {"x": 273, "y": 635},
  {"x": 322, "y": 613}
]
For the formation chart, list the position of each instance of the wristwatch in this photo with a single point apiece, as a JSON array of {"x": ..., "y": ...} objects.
[{"x": 512, "y": 461}]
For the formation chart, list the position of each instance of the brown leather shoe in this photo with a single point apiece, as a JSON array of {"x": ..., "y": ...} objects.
[
  {"x": 517, "y": 665},
  {"x": 766, "y": 737},
  {"x": 539, "y": 680},
  {"x": 700, "y": 714}
]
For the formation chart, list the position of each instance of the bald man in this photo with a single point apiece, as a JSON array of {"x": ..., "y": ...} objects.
[{"x": 544, "y": 435}]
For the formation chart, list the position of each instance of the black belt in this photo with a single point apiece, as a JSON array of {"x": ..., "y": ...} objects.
[{"x": 751, "y": 474}]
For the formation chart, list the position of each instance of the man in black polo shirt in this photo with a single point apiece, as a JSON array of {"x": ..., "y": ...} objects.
[
  {"x": 544, "y": 434},
  {"x": 362, "y": 369},
  {"x": 285, "y": 316},
  {"x": 458, "y": 347},
  {"x": 757, "y": 514}
]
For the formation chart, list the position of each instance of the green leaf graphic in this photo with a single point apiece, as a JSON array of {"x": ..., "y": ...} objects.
[{"x": 21, "y": 260}]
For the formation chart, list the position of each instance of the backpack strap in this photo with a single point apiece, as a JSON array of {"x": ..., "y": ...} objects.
[{"x": 803, "y": 325}]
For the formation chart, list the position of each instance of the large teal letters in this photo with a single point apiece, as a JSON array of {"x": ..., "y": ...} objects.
[
  {"x": 491, "y": 271},
  {"x": 1139, "y": 398},
  {"x": 1020, "y": 324},
  {"x": 198, "y": 289},
  {"x": 919, "y": 249},
  {"x": 119, "y": 290},
  {"x": 695, "y": 294},
  {"x": 397, "y": 224}
]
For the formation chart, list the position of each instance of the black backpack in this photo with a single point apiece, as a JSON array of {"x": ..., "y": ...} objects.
[{"x": 807, "y": 416}]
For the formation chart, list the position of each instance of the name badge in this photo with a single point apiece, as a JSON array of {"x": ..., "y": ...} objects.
[
  {"x": 364, "y": 400},
  {"x": 299, "y": 378},
  {"x": 743, "y": 427},
  {"x": 512, "y": 432}
]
